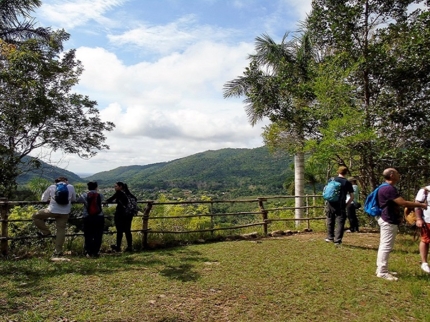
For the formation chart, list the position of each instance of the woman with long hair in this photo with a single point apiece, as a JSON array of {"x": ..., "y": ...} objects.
[{"x": 122, "y": 221}]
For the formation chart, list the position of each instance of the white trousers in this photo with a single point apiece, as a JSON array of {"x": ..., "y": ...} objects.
[{"x": 388, "y": 234}]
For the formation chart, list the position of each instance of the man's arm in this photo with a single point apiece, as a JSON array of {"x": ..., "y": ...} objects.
[
  {"x": 410, "y": 204},
  {"x": 46, "y": 196}
]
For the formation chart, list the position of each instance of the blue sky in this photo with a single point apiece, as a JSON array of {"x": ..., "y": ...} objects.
[{"x": 157, "y": 70}]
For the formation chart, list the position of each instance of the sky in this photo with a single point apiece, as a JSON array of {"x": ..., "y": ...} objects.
[{"x": 157, "y": 69}]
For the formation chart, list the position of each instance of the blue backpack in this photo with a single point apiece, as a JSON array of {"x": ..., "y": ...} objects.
[
  {"x": 331, "y": 191},
  {"x": 61, "y": 193},
  {"x": 371, "y": 206}
]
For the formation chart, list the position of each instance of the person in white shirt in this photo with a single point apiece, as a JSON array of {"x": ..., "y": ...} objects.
[
  {"x": 423, "y": 222},
  {"x": 58, "y": 210},
  {"x": 353, "y": 206}
]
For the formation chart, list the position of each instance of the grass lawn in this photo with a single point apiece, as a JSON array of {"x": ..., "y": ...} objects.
[{"x": 293, "y": 278}]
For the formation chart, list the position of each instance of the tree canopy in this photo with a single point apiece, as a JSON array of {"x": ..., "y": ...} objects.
[
  {"x": 372, "y": 86},
  {"x": 38, "y": 107}
]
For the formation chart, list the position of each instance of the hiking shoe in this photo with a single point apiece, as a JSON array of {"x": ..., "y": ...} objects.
[
  {"x": 328, "y": 240},
  {"x": 387, "y": 276},
  {"x": 425, "y": 267},
  {"x": 128, "y": 250}
]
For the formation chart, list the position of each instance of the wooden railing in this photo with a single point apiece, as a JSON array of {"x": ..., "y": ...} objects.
[{"x": 267, "y": 216}]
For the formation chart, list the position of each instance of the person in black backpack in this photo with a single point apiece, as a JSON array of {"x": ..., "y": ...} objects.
[
  {"x": 93, "y": 219},
  {"x": 336, "y": 210},
  {"x": 122, "y": 220}
]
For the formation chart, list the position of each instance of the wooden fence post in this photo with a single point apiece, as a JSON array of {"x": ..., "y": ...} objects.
[
  {"x": 145, "y": 224},
  {"x": 307, "y": 212},
  {"x": 212, "y": 219},
  {"x": 264, "y": 214},
  {"x": 4, "y": 214}
]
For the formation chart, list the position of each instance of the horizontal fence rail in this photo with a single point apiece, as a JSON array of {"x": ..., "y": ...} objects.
[{"x": 312, "y": 211}]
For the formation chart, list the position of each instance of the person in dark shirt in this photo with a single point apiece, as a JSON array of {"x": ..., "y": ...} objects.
[
  {"x": 389, "y": 200},
  {"x": 122, "y": 222},
  {"x": 93, "y": 222},
  {"x": 336, "y": 211}
]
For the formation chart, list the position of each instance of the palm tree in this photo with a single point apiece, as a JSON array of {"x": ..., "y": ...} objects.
[
  {"x": 276, "y": 85},
  {"x": 14, "y": 29}
]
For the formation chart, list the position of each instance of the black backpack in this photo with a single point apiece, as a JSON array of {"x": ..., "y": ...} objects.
[
  {"x": 131, "y": 208},
  {"x": 94, "y": 203}
]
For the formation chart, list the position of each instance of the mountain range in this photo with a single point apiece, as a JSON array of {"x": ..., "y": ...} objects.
[{"x": 246, "y": 170}]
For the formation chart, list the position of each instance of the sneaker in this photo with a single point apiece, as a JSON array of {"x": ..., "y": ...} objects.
[
  {"x": 57, "y": 255},
  {"x": 328, "y": 240},
  {"x": 425, "y": 267},
  {"x": 128, "y": 250},
  {"x": 337, "y": 244},
  {"x": 387, "y": 276},
  {"x": 392, "y": 273}
]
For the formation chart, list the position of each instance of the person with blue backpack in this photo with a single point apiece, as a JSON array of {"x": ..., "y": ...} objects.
[
  {"x": 335, "y": 194},
  {"x": 390, "y": 201},
  {"x": 59, "y": 196}
]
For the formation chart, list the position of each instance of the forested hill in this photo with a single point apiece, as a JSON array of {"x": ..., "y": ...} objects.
[
  {"x": 45, "y": 171},
  {"x": 242, "y": 170}
]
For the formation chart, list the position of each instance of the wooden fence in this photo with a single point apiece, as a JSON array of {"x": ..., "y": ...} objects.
[{"x": 312, "y": 209}]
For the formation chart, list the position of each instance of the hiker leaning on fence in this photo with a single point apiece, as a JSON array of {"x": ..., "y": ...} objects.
[
  {"x": 122, "y": 221},
  {"x": 423, "y": 222},
  {"x": 93, "y": 219},
  {"x": 336, "y": 210},
  {"x": 390, "y": 200},
  {"x": 59, "y": 196}
]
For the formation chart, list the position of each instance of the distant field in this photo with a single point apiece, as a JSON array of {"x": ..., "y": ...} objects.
[{"x": 294, "y": 278}]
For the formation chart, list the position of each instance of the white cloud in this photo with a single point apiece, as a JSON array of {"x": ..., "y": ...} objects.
[
  {"x": 168, "y": 103},
  {"x": 174, "y": 36},
  {"x": 300, "y": 7},
  {"x": 69, "y": 14},
  {"x": 167, "y": 109}
]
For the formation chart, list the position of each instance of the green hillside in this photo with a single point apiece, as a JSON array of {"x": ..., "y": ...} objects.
[
  {"x": 243, "y": 170},
  {"x": 46, "y": 171}
]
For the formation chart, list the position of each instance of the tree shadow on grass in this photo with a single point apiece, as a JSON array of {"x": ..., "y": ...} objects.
[
  {"x": 181, "y": 272},
  {"x": 29, "y": 276}
]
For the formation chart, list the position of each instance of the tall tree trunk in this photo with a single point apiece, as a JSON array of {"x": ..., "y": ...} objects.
[{"x": 299, "y": 180}]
